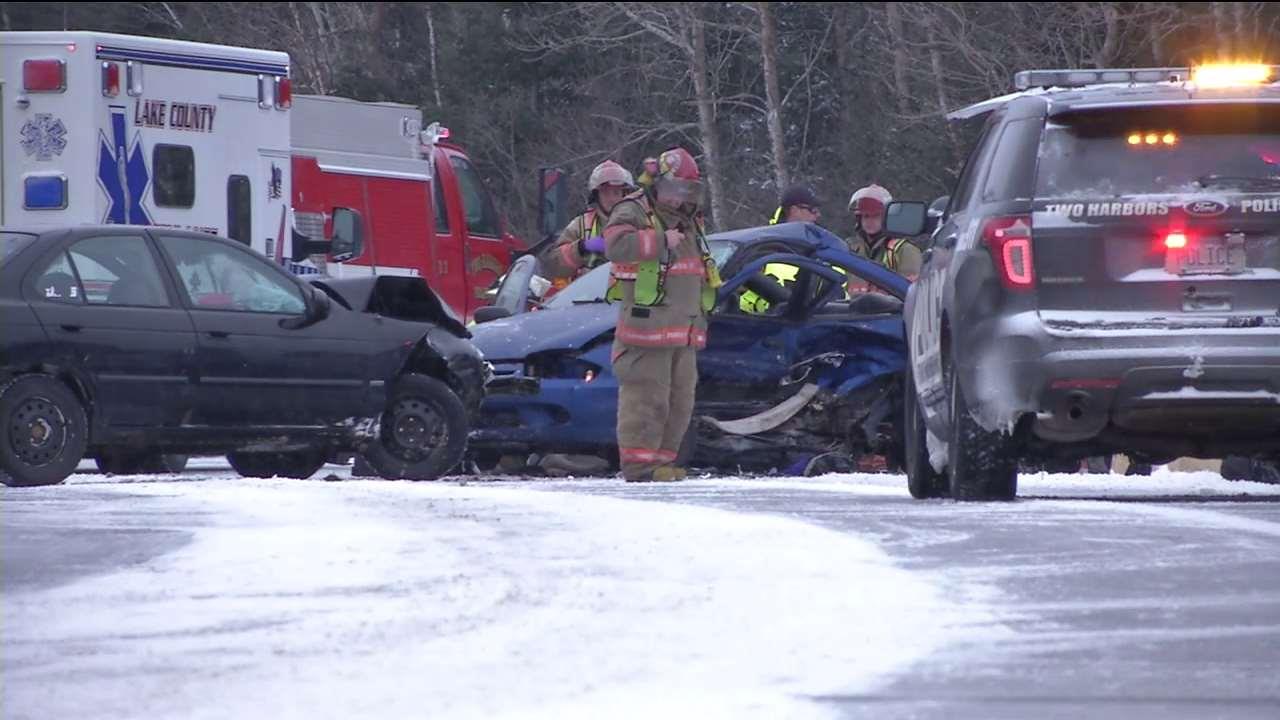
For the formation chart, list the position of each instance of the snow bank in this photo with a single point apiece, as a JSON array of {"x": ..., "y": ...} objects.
[{"x": 376, "y": 599}]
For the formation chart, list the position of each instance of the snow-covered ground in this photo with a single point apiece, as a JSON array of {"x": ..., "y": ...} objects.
[
  {"x": 499, "y": 599},
  {"x": 369, "y": 598}
]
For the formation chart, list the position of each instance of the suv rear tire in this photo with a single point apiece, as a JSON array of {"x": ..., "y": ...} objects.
[
  {"x": 423, "y": 433},
  {"x": 923, "y": 482},
  {"x": 979, "y": 463}
]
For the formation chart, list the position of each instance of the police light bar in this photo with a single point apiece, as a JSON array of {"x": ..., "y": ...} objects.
[{"x": 1028, "y": 79}]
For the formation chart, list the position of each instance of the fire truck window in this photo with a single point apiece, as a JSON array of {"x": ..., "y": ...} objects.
[
  {"x": 175, "y": 175},
  {"x": 442, "y": 212},
  {"x": 239, "y": 213},
  {"x": 482, "y": 219}
]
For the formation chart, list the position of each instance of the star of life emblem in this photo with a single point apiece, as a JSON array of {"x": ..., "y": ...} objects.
[{"x": 43, "y": 136}]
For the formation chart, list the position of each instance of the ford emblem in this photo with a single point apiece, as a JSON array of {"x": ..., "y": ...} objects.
[{"x": 1206, "y": 208}]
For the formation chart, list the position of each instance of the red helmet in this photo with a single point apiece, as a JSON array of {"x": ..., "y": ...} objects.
[{"x": 679, "y": 179}]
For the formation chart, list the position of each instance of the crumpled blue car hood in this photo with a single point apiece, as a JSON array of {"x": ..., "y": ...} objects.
[{"x": 569, "y": 328}]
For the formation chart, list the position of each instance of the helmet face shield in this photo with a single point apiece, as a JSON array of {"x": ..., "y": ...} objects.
[
  {"x": 678, "y": 191},
  {"x": 869, "y": 206}
]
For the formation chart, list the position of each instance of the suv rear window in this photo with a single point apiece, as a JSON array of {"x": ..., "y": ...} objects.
[{"x": 1161, "y": 150}]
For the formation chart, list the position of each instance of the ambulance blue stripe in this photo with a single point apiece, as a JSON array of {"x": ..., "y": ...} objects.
[{"x": 106, "y": 52}]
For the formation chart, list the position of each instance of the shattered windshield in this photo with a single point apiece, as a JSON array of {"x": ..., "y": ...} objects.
[{"x": 1161, "y": 150}]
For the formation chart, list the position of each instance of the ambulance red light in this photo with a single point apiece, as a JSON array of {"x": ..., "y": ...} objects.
[
  {"x": 284, "y": 93},
  {"x": 444, "y": 133},
  {"x": 110, "y": 79},
  {"x": 1175, "y": 240},
  {"x": 44, "y": 75}
]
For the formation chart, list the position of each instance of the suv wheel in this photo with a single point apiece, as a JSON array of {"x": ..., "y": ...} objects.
[
  {"x": 980, "y": 463},
  {"x": 423, "y": 433},
  {"x": 44, "y": 432},
  {"x": 922, "y": 480},
  {"x": 298, "y": 464}
]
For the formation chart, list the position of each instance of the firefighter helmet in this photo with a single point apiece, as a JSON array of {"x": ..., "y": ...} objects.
[
  {"x": 870, "y": 200},
  {"x": 609, "y": 173},
  {"x": 679, "y": 178}
]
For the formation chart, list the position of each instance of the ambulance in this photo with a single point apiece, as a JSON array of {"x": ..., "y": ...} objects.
[{"x": 114, "y": 129}]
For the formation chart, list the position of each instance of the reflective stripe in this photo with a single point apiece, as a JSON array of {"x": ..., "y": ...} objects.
[
  {"x": 645, "y": 455},
  {"x": 625, "y": 271},
  {"x": 648, "y": 243},
  {"x": 568, "y": 255},
  {"x": 675, "y": 336},
  {"x": 688, "y": 266}
]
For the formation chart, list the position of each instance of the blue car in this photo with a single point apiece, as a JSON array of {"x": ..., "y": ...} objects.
[{"x": 818, "y": 372}]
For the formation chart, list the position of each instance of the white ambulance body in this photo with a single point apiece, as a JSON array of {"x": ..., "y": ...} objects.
[{"x": 101, "y": 128}]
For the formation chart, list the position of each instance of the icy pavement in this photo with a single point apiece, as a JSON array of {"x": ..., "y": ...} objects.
[{"x": 370, "y": 598}]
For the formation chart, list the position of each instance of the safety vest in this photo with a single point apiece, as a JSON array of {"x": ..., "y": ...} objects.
[
  {"x": 651, "y": 275},
  {"x": 752, "y": 302}
]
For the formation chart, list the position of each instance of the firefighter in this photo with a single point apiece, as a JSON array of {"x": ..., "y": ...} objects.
[
  {"x": 798, "y": 204},
  {"x": 869, "y": 239},
  {"x": 581, "y": 243},
  {"x": 648, "y": 171},
  {"x": 665, "y": 279}
]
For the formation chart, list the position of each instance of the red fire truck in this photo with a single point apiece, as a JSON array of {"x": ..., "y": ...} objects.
[{"x": 395, "y": 198}]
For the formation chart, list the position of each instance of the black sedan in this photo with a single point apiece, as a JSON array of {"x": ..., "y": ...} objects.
[{"x": 127, "y": 343}]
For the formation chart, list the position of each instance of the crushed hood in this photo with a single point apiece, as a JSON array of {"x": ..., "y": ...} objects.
[{"x": 571, "y": 328}]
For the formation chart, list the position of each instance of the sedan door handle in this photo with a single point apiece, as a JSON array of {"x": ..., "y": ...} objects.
[
  {"x": 220, "y": 334},
  {"x": 71, "y": 328}
]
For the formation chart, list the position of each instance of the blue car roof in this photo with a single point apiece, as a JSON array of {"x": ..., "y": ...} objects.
[
  {"x": 797, "y": 232},
  {"x": 824, "y": 242}
]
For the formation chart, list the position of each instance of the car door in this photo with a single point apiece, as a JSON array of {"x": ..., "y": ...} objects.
[
  {"x": 925, "y": 303},
  {"x": 112, "y": 315},
  {"x": 255, "y": 364},
  {"x": 749, "y": 356}
]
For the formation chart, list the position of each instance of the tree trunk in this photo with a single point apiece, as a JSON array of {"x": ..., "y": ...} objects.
[
  {"x": 1110, "y": 38},
  {"x": 773, "y": 97},
  {"x": 706, "y": 119},
  {"x": 944, "y": 102},
  {"x": 1222, "y": 27},
  {"x": 898, "y": 41},
  {"x": 431, "y": 39}
]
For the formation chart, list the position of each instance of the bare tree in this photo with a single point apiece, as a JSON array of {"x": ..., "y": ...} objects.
[{"x": 769, "y": 56}]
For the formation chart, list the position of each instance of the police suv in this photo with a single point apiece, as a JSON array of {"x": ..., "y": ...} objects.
[{"x": 1105, "y": 279}]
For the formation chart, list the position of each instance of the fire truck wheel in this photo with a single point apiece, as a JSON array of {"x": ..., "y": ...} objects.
[{"x": 424, "y": 431}]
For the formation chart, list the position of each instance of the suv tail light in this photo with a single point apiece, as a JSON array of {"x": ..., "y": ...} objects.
[
  {"x": 1008, "y": 238},
  {"x": 44, "y": 75}
]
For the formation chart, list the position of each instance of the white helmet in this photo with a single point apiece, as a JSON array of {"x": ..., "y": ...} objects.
[
  {"x": 869, "y": 200},
  {"x": 609, "y": 173}
]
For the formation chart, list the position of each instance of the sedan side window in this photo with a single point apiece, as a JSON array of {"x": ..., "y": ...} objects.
[
  {"x": 219, "y": 277},
  {"x": 57, "y": 283},
  {"x": 118, "y": 270}
]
